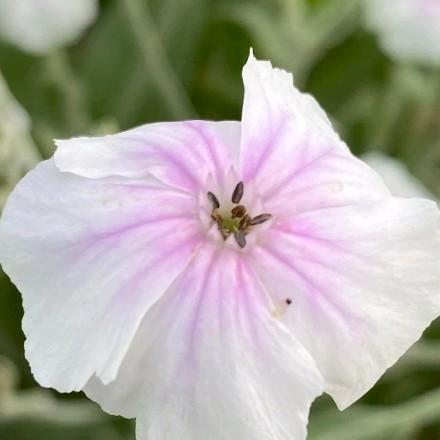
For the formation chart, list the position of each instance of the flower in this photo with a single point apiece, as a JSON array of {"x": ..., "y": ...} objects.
[
  {"x": 18, "y": 153},
  {"x": 396, "y": 176},
  {"x": 408, "y": 30},
  {"x": 212, "y": 278},
  {"x": 38, "y": 26}
]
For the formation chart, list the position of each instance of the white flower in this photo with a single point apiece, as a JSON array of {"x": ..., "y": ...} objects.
[
  {"x": 212, "y": 278},
  {"x": 17, "y": 151},
  {"x": 396, "y": 176},
  {"x": 408, "y": 30},
  {"x": 38, "y": 26}
]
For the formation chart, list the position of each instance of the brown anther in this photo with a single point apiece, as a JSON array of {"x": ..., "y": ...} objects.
[
  {"x": 260, "y": 219},
  {"x": 214, "y": 200},
  {"x": 244, "y": 222},
  {"x": 240, "y": 238},
  {"x": 217, "y": 217},
  {"x": 288, "y": 301},
  {"x": 238, "y": 193},
  {"x": 238, "y": 222},
  {"x": 238, "y": 211}
]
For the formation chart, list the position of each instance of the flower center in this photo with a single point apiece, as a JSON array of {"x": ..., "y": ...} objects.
[{"x": 237, "y": 221}]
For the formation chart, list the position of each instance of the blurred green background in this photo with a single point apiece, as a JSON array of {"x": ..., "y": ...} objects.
[{"x": 144, "y": 61}]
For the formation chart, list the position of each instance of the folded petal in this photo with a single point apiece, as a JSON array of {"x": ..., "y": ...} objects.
[
  {"x": 290, "y": 150},
  {"x": 363, "y": 281},
  {"x": 210, "y": 362},
  {"x": 90, "y": 257},
  {"x": 181, "y": 154}
]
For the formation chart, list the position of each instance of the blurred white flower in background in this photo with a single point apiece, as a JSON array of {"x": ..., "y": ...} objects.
[
  {"x": 408, "y": 30},
  {"x": 396, "y": 176},
  {"x": 38, "y": 26},
  {"x": 17, "y": 151}
]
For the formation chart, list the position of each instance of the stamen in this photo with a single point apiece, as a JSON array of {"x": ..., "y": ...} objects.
[
  {"x": 288, "y": 301},
  {"x": 238, "y": 193},
  {"x": 244, "y": 222},
  {"x": 238, "y": 222},
  {"x": 217, "y": 217},
  {"x": 240, "y": 238},
  {"x": 214, "y": 200},
  {"x": 239, "y": 211},
  {"x": 260, "y": 219}
]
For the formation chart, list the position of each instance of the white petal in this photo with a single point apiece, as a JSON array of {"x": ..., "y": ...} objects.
[
  {"x": 271, "y": 107},
  {"x": 90, "y": 257},
  {"x": 359, "y": 266},
  {"x": 210, "y": 362},
  {"x": 181, "y": 154},
  {"x": 364, "y": 283},
  {"x": 291, "y": 152},
  {"x": 38, "y": 26},
  {"x": 396, "y": 176}
]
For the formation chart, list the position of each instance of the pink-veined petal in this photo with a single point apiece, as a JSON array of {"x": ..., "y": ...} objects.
[
  {"x": 290, "y": 150},
  {"x": 364, "y": 281},
  {"x": 210, "y": 362},
  {"x": 271, "y": 106},
  {"x": 181, "y": 154},
  {"x": 90, "y": 257},
  {"x": 344, "y": 252}
]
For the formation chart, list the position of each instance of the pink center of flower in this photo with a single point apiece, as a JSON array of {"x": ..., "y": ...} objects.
[{"x": 236, "y": 221}]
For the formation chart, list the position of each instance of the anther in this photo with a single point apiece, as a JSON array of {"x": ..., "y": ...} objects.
[
  {"x": 259, "y": 219},
  {"x": 238, "y": 193},
  {"x": 238, "y": 211},
  {"x": 240, "y": 238},
  {"x": 238, "y": 222},
  {"x": 288, "y": 301},
  {"x": 217, "y": 217},
  {"x": 213, "y": 199},
  {"x": 244, "y": 222}
]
